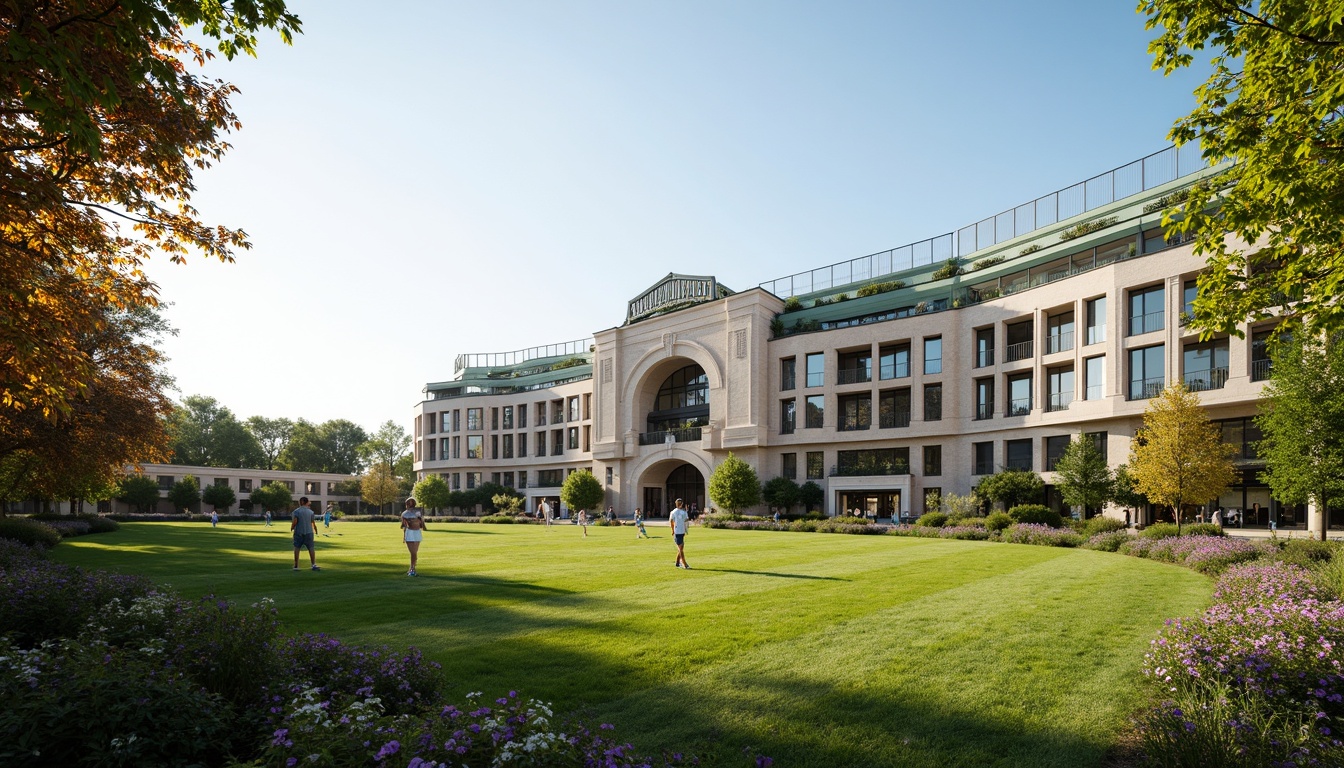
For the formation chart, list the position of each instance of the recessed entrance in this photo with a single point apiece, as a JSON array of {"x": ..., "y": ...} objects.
[{"x": 872, "y": 504}]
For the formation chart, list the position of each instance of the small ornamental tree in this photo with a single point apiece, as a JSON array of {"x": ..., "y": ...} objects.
[
  {"x": 138, "y": 491},
  {"x": 432, "y": 492},
  {"x": 1011, "y": 487},
  {"x": 185, "y": 493},
  {"x": 508, "y": 503},
  {"x": 273, "y": 497},
  {"x": 1302, "y": 420},
  {"x": 811, "y": 496},
  {"x": 221, "y": 497},
  {"x": 780, "y": 493},
  {"x": 1178, "y": 457},
  {"x": 379, "y": 486},
  {"x": 582, "y": 491},
  {"x": 734, "y": 485},
  {"x": 1124, "y": 493},
  {"x": 1082, "y": 475}
]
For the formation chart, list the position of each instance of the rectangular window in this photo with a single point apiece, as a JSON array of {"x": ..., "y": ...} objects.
[
  {"x": 508, "y": 446},
  {"x": 984, "y": 347},
  {"x": 1094, "y": 375},
  {"x": 1059, "y": 381},
  {"x": 457, "y": 419},
  {"x": 433, "y": 450},
  {"x": 573, "y": 438},
  {"x": 288, "y": 484},
  {"x": 1054, "y": 448},
  {"x": 244, "y": 486},
  {"x": 456, "y": 484},
  {"x": 473, "y": 479},
  {"x": 494, "y": 478},
  {"x": 1146, "y": 312},
  {"x": 856, "y": 412},
  {"x": 541, "y": 443},
  {"x": 541, "y": 414},
  {"x": 494, "y": 447},
  {"x": 933, "y": 499},
  {"x": 522, "y": 444},
  {"x": 933, "y": 402},
  {"x": 788, "y": 416},
  {"x": 165, "y": 482},
  {"x": 893, "y": 408},
  {"x": 894, "y": 362},
  {"x": 984, "y": 399},
  {"x": 587, "y": 406},
  {"x": 1260, "y": 363},
  {"x": 789, "y": 466},
  {"x": 574, "y": 408},
  {"x": 522, "y": 419},
  {"x": 507, "y": 480},
  {"x": 1190, "y": 293},
  {"x": 816, "y": 465},
  {"x": 788, "y": 369},
  {"x": 431, "y": 423},
  {"x": 816, "y": 369},
  {"x": 1096, "y": 321},
  {"x": 474, "y": 419},
  {"x": 816, "y": 411},
  {"x": 558, "y": 411},
  {"x": 1206, "y": 366},
  {"x": 1147, "y": 376},
  {"x": 873, "y": 461},
  {"x": 445, "y": 421},
  {"x": 1019, "y": 342},
  {"x": 475, "y": 447},
  {"x": 1019, "y": 394},
  {"x": 933, "y": 460},
  {"x": 933, "y": 354},
  {"x": 508, "y": 417},
  {"x": 1099, "y": 439},
  {"x": 856, "y": 368},
  {"x": 457, "y": 447},
  {"x": 587, "y": 438},
  {"x": 522, "y": 479},
  {"x": 982, "y": 458},
  {"x": 1017, "y": 454},
  {"x": 557, "y": 442},
  {"x": 611, "y": 475},
  {"x": 494, "y": 418},
  {"x": 550, "y": 478},
  {"x": 1059, "y": 333}
]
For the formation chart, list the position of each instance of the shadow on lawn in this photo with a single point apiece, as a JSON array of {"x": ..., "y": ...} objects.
[{"x": 771, "y": 573}]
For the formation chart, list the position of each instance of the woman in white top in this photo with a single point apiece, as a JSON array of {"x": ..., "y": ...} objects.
[
  {"x": 583, "y": 522},
  {"x": 412, "y": 527}
]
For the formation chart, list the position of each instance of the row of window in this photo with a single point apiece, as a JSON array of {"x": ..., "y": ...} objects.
[
  {"x": 856, "y": 411},
  {"x": 509, "y": 446},
  {"x": 504, "y": 417},
  {"x": 546, "y": 478},
  {"x": 245, "y": 485},
  {"x": 893, "y": 362},
  {"x": 1017, "y": 454}
]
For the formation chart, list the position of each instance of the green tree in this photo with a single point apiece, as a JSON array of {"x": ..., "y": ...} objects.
[
  {"x": 385, "y": 446},
  {"x": 332, "y": 446},
  {"x": 274, "y": 497},
  {"x": 185, "y": 493},
  {"x": 734, "y": 485},
  {"x": 811, "y": 496},
  {"x": 432, "y": 492},
  {"x": 221, "y": 497},
  {"x": 1271, "y": 103},
  {"x": 103, "y": 125},
  {"x": 958, "y": 507},
  {"x": 206, "y": 434},
  {"x": 1125, "y": 493},
  {"x": 1178, "y": 457},
  {"x": 1302, "y": 422},
  {"x": 138, "y": 491},
  {"x": 508, "y": 503},
  {"x": 1082, "y": 475},
  {"x": 404, "y": 470},
  {"x": 379, "y": 487},
  {"x": 582, "y": 491},
  {"x": 1011, "y": 487},
  {"x": 272, "y": 435},
  {"x": 780, "y": 493}
]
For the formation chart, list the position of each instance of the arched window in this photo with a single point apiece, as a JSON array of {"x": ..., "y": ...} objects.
[{"x": 683, "y": 400}]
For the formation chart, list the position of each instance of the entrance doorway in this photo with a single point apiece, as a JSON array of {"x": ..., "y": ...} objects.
[
  {"x": 871, "y": 504},
  {"x": 653, "y": 502},
  {"x": 687, "y": 484}
]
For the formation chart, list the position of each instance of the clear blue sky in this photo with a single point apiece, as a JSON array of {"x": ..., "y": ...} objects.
[{"x": 423, "y": 179}]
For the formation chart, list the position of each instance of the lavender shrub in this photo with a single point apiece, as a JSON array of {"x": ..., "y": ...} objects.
[
  {"x": 1040, "y": 535},
  {"x": 1258, "y": 680}
]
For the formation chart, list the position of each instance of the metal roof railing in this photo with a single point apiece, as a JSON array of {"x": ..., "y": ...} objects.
[{"x": 506, "y": 359}]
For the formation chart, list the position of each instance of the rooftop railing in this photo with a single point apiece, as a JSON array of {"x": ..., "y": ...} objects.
[
  {"x": 506, "y": 359},
  {"x": 1126, "y": 181}
]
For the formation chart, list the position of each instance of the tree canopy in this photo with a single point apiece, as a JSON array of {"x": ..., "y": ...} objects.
[
  {"x": 138, "y": 491},
  {"x": 185, "y": 493},
  {"x": 1011, "y": 487},
  {"x": 220, "y": 496},
  {"x": 379, "y": 487},
  {"x": 273, "y": 497},
  {"x": 432, "y": 492},
  {"x": 1273, "y": 104},
  {"x": 780, "y": 492},
  {"x": 207, "y": 434},
  {"x": 1178, "y": 457},
  {"x": 332, "y": 446},
  {"x": 102, "y": 125},
  {"x": 385, "y": 446},
  {"x": 272, "y": 435},
  {"x": 734, "y": 485},
  {"x": 1082, "y": 475},
  {"x": 1302, "y": 421},
  {"x": 581, "y": 490}
]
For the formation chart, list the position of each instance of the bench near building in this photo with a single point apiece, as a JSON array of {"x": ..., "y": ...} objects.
[{"x": 886, "y": 379}]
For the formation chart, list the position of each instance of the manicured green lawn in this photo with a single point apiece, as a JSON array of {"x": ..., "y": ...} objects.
[{"x": 815, "y": 649}]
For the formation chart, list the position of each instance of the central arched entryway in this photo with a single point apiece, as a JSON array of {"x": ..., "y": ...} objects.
[{"x": 683, "y": 481}]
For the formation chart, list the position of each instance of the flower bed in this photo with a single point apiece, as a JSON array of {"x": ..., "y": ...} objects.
[
  {"x": 1040, "y": 535},
  {"x": 1206, "y": 554}
]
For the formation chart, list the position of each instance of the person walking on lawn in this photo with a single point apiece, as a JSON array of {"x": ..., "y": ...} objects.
[{"x": 301, "y": 525}]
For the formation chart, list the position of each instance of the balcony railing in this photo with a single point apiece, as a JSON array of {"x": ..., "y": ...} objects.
[
  {"x": 984, "y": 358},
  {"x": 1146, "y": 323},
  {"x": 1209, "y": 378},
  {"x": 1059, "y": 401},
  {"x": 864, "y": 468},
  {"x": 1020, "y": 465},
  {"x": 1147, "y": 388},
  {"x": 984, "y": 411},
  {"x": 1260, "y": 369},
  {"x": 1019, "y": 407},
  {"x": 1019, "y": 351},
  {"x": 1058, "y": 342},
  {"x": 680, "y": 435},
  {"x": 816, "y": 379},
  {"x": 895, "y": 370},
  {"x": 855, "y": 375},
  {"x": 787, "y": 427},
  {"x": 893, "y": 420},
  {"x": 852, "y": 426},
  {"x": 983, "y": 468}
]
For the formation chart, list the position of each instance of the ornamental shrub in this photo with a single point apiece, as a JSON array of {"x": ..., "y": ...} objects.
[
  {"x": 1206, "y": 554},
  {"x": 43, "y": 600},
  {"x": 1159, "y": 531},
  {"x": 963, "y": 532},
  {"x": 793, "y": 304},
  {"x": 1109, "y": 541},
  {"x": 1202, "y": 529},
  {"x": 1038, "y": 514},
  {"x": 499, "y": 519},
  {"x": 1040, "y": 535},
  {"x": 1306, "y": 552},
  {"x": 998, "y": 521},
  {"x": 1103, "y": 524},
  {"x": 30, "y": 532},
  {"x": 932, "y": 520}
]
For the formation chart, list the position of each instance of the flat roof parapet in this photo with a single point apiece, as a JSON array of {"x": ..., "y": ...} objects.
[{"x": 519, "y": 356}]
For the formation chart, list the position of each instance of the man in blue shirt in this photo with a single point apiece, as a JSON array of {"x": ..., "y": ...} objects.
[{"x": 301, "y": 525}]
